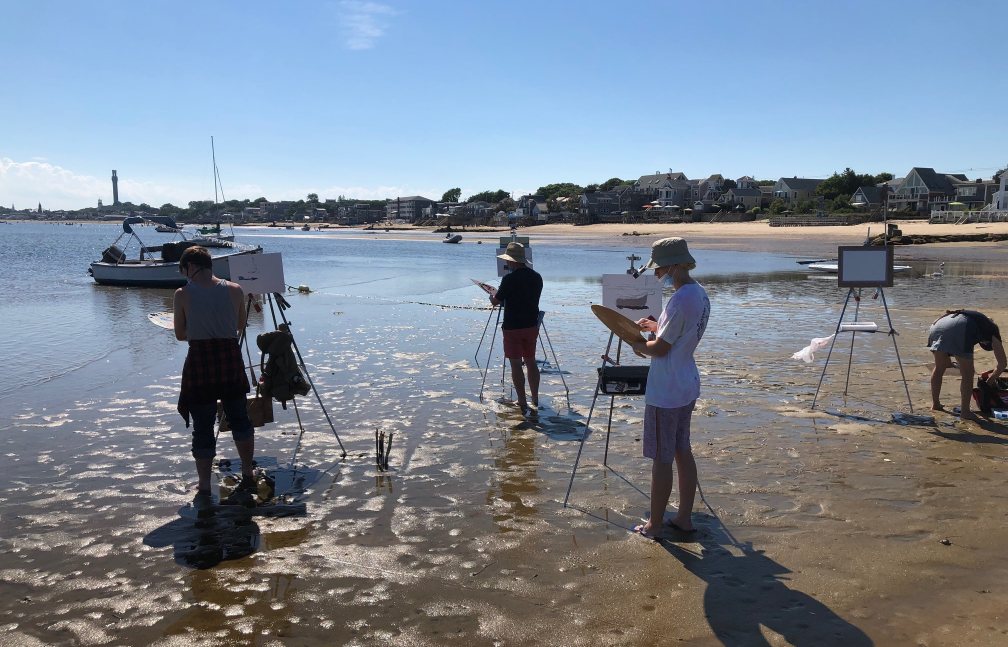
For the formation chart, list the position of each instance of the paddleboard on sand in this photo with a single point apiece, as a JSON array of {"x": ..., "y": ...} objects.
[
  {"x": 486, "y": 287},
  {"x": 164, "y": 320}
]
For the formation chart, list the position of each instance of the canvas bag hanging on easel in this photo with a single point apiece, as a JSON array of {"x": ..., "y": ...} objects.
[{"x": 260, "y": 408}]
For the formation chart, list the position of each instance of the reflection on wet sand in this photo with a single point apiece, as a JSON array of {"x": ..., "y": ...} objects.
[{"x": 511, "y": 497}]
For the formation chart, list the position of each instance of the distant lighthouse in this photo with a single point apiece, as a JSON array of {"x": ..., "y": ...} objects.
[{"x": 115, "y": 188}]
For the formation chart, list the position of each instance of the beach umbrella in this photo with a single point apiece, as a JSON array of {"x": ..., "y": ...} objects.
[{"x": 675, "y": 206}]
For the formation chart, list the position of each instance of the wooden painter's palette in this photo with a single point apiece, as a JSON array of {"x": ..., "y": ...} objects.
[{"x": 624, "y": 328}]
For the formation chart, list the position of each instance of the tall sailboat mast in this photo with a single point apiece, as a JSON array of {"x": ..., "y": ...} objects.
[{"x": 216, "y": 173}]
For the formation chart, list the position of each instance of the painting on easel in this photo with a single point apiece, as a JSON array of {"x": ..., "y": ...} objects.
[{"x": 634, "y": 298}]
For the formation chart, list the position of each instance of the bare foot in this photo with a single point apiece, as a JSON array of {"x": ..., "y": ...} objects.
[
  {"x": 938, "y": 407},
  {"x": 969, "y": 415},
  {"x": 646, "y": 530}
]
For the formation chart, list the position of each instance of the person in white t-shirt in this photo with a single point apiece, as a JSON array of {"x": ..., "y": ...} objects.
[{"x": 673, "y": 384}]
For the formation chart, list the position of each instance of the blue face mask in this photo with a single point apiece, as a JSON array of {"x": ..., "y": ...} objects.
[{"x": 668, "y": 281}]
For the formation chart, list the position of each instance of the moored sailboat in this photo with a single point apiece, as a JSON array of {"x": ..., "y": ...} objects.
[{"x": 154, "y": 266}]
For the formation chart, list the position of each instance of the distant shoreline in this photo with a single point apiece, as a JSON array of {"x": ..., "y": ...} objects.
[{"x": 756, "y": 236}]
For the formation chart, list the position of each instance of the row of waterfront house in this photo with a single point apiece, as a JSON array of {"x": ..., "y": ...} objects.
[
  {"x": 660, "y": 196},
  {"x": 922, "y": 192}
]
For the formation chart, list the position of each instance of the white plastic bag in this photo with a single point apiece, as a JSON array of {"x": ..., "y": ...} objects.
[{"x": 807, "y": 354}]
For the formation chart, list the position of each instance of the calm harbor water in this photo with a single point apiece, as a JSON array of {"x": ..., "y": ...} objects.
[
  {"x": 66, "y": 332},
  {"x": 95, "y": 459}
]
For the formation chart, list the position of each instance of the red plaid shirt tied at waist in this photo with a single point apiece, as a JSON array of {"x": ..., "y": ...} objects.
[{"x": 213, "y": 370}]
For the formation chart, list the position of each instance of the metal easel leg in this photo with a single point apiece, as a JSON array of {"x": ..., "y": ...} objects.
[
  {"x": 608, "y": 430},
  {"x": 612, "y": 401},
  {"x": 850, "y": 292},
  {"x": 892, "y": 335},
  {"x": 489, "y": 353},
  {"x": 483, "y": 336},
  {"x": 281, "y": 306},
  {"x": 587, "y": 431},
  {"x": 584, "y": 437},
  {"x": 850, "y": 357},
  {"x": 556, "y": 362}
]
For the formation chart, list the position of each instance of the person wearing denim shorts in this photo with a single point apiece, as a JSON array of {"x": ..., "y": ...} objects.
[
  {"x": 673, "y": 384},
  {"x": 209, "y": 313}
]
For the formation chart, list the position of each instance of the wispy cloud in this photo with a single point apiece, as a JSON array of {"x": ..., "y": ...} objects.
[
  {"x": 363, "y": 22},
  {"x": 25, "y": 184}
]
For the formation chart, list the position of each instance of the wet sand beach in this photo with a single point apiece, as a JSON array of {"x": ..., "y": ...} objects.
[{"x": 827, "y": 527}]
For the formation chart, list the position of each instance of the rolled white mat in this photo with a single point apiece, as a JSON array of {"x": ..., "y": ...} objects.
[{"x": 860, "y": 326}]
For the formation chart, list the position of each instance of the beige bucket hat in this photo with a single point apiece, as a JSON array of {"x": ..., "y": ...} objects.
[
  {"x": 515, "y": 253},
  {"x": 670, "y": 251}
]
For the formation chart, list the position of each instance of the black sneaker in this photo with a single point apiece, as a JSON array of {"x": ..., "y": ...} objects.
[
  {"x": 248, "y": 484},
  {"x": 243, "y": 494}
]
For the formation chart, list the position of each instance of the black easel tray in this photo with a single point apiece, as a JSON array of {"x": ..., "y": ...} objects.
[{"x": 623, "y": 380}]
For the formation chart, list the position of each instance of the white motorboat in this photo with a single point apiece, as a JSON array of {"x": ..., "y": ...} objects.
[
  {"x": 832, "y": 267},
  {"x": 155, "y": 266},
  {"x": 212, "y": 236},
  {"x": 457, "y": 238}
]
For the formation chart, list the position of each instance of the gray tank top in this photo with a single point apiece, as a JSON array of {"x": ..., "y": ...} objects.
[{"x": 210, "y": 315}]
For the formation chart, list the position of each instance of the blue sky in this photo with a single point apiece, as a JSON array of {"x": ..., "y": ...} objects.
[{"x": 378, "y": 99}]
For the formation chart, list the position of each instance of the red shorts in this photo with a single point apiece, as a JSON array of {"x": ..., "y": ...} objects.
[{"x": 520, "y": 343}]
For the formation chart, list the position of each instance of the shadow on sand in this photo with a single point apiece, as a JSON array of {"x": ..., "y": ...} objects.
[
  {"x": 747, "y": 590},
  {"x": 206, "y": 535},
  {"x": 218, "y": 533},
  {"x": 964, "y": 434}
]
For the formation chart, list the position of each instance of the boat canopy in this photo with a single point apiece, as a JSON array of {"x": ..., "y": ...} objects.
[{"x": 167, "y": 221}]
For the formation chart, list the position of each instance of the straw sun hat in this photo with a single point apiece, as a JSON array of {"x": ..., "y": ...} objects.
[
  {"x": 515, "y": 253},
  {"x": 670, "y": 251}
]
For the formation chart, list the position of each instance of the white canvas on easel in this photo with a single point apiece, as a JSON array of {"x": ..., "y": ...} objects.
[
  {"x": 502, "y": 268},
  {"x": 862, "y": 266},
  {"x": 635, "y": 298},
  {"x": 258, "y": 273}
]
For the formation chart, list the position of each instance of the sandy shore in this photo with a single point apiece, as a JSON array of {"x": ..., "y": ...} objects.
[
  {"x": 742, "y": 236},
  {"x": 760, "y": 236},
  {"x": 826, "y": 527}
]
